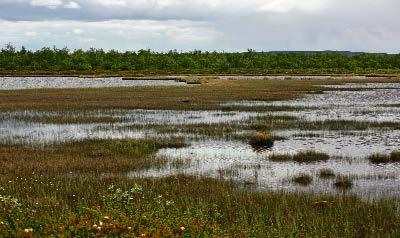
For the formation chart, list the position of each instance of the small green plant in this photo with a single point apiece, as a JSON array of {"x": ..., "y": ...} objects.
[
  {"x": 326, "y": 173},
  {"x": 310, "y": 156},
  {"x": 119, "y": 199},
  {"x": 343, "y": 182},
  {"x": 379, "y": 158},
  {"x": 303, "y": 179}
]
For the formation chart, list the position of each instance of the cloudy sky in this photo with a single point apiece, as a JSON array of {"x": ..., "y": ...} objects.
[{"x": 223, "y": 25}]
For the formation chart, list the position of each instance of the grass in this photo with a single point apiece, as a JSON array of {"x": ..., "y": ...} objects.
[
  {"x": 302, "y": 179},
  {"x": 208, "y": 95},
  {"x": 181, "y": 206},
  {"x": 379, "y": 158},
  {"x": 261, "y": 140},
  {"x": 301, "y": 157},
  {"x": 326, "y": 173},
  {"x": 395, "y": 156},
  {"x": 280, "y": 157},
  {"x": 88, "y": 156},
  {"x": 65, "y": 119},
  {"x": 343, "y": 182},
  {"x": 310, "y": 157},
  {"x": 82, "y": 189}
]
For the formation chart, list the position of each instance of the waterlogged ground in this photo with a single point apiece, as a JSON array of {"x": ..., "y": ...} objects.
[
  {"x": 231, "y": 157},
  {"x": 17, "y": 83}
]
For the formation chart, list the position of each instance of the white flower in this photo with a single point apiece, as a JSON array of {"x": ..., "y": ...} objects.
[{"x": 28, "y": 230}]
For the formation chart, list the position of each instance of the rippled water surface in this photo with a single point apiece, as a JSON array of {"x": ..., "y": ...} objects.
[{"x": 15, "y": 83}]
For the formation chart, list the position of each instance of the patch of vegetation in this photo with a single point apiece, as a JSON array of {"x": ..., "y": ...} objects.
[
  {"x": 98, "y": 61},
  {"x": 302, "y": 179},
  {"x": 395, "y": 156},
  {"x": 379, "y": 158},
  {"x": 280, "y": 157},
  {"x": 343, "y": 182},
  {"x": 89, "y": 206},
  {"x": 261, "y": 140},
  {"x": 326, "y": 173},
  {"x": 88, "y": 156},
  {"x": 310, "y": 157}
]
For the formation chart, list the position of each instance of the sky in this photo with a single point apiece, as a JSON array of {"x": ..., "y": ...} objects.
[{"x": 186, "y": 25}]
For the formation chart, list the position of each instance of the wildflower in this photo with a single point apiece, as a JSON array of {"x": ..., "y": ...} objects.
[
  {"x": 129, "y": 228},
  {"x": 106, "y": 217},
  {"x": 94, "y": 226},
  {"x": 100, "y": 223},
  {"x": 28, "y": 230},
  {"x": 182, "y": 228}
]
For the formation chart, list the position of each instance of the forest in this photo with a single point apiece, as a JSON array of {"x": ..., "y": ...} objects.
[{"x": 195, "y": 62}]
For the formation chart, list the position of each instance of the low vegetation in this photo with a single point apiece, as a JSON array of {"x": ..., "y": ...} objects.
[
  {"x": 261, "y": 140},
  {"x": 379, "y": 158},
  {"x": 310, "y": 157},
  {"x": 326, "y": 173},
  {"x": 300, "y": 157},
  {"x": 343, "y": 182},
  {"x": 302, "y": 179}
]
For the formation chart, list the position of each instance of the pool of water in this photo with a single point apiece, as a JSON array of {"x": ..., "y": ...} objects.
[
  {"x": 18, "y": 127},
  {"x": 240, "y": 162},
  {"x": 17, "y": 83}
]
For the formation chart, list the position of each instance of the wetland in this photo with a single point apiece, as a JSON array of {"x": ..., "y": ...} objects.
[{"x": 228, "y": 156}]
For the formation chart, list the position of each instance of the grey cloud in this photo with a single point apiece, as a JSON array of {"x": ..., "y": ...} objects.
[{"x": 232, "y": 25}]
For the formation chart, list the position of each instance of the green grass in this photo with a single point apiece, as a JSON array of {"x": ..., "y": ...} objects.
[
  {"x": 88, "y": 156},
  {"x": 280, "y": 157},
  {"x": 326, "y": 173},
  {"x": 302, "y": 179},
  {"x": 182, "y": 206},
  {"x": 343, "y": 182},
  {"x": 310, "y": 157},
  {"x": 379, "y": 158}
]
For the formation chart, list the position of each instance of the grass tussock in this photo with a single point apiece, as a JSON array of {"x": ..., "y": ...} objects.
[
  {"x": 310, "y": 157},
  {"x": 326, "y": 173},
  {"x": 379, "y": 158},
  {"x": 343, "y": 182},
  {"x": 260, "y": 140},
  {"x": 301, "y": 157},
  {"x": 280, "y": 157},
  {"x": 302, "y": 179},
  {"x": 395, "y": 156}
]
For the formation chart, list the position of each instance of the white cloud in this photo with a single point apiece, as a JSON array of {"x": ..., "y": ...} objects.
[
  {"x": 116, "y": 34},
  {"x": 283, "y": 6},
  {"x": 51, "y": 4},
  {"x": 77, "y": 31},
  {"x": 72, "y": 5}
]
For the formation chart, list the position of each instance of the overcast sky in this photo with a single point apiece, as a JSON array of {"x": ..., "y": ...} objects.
[{"x": 222, "y": 25}]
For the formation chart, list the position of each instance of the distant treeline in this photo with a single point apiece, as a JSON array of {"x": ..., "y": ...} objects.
[{"x": 196, "y": 62}]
